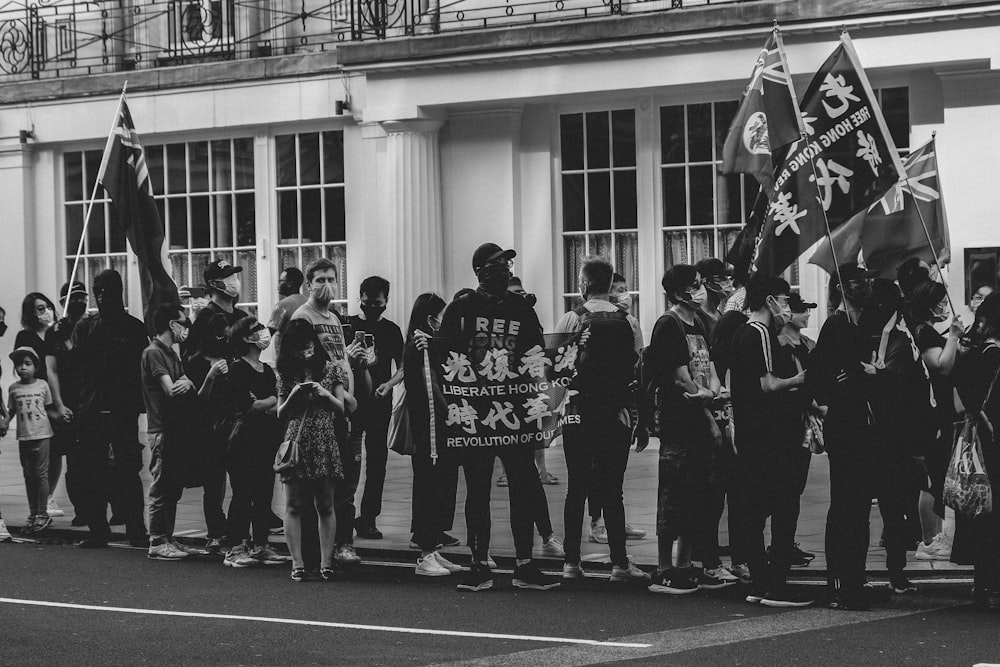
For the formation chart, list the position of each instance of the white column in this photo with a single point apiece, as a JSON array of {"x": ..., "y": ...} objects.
[
  {"x": 18, "y": 275},
  {"x": 413, "y": 194}
]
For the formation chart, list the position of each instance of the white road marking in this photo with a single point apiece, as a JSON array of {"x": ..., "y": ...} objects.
[{"x": 326, "y": 624}]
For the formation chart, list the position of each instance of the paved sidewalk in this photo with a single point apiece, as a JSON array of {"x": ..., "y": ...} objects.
[{"x": 640, "y": 500}]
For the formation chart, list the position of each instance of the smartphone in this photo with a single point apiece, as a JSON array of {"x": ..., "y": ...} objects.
[
  {"x": 193, "y": 292},
  {"x": 369, "y": 340},
  {"x": 359, "y": 337}
]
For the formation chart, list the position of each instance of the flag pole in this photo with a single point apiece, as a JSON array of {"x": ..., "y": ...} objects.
[{"x": 93, "y": 196}]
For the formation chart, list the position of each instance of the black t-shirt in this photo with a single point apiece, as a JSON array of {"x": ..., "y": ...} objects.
[
  {"x": 67, "y": 362},
  {"x": 110, "y": 354},
  {"x": 41, "y": 347},
  {"x": 388, "y": 346},
  {"x": 758, "y": 416},
  {"x": 675, "y": 343},
  {"x": 492, "y": 323},
  {"x": 722, "y": 341},
  {"x": 926, "y": 338},
  {"x": 192, "y": 352}
]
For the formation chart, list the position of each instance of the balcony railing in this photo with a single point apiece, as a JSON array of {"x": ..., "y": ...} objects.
[{"x": 58, "y": 38}]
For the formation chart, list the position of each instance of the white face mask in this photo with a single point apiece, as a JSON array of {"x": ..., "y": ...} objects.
[
  {"x": 229, "y": 286},
  {"x": 784, "y": 314},
  {"x": 324, "y": 292},
  {"x": 263, "y": 339},
  {"x": 179, "y": 332},
  {"x": 46, "y": 318},
  {"x": 623, "y": 301},
  {"x": 696, "y": 298}
]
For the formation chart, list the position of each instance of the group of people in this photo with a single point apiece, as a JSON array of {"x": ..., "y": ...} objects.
[{"x": 739, "y": 398}]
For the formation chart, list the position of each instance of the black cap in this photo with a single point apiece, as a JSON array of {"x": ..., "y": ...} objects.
[
  {"x": 489, "y": 252},
  {"x": 219, "y": 269},
  {"x": 797, "y": 305},
  {"x": 713, "y": 267},
  {"x": 849, "y": 271},
  {"x": 77, "y": 288}
]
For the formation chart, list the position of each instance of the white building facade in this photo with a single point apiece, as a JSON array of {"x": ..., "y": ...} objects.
[{"x": 594, "y": 135}]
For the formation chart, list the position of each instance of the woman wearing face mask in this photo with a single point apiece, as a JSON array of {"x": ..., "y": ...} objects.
[
  {"x": 928, "y": 307},
  {"x": 253, "y": 437}
]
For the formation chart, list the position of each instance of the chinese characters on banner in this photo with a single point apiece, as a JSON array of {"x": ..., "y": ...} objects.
[
  {"x": 504, "y": 400},
  {"x": 846, "y": 162}
]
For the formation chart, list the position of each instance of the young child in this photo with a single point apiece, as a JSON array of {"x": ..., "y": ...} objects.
[{"x": 30, "y": 400}]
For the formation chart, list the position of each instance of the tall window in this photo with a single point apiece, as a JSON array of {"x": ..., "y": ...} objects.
[
  {"x": 310, "y": 188},
  {"x": 600, "y": 215}
]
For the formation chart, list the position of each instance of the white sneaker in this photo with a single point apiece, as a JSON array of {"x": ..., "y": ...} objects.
[
  {"x": 723, "y": 573},
  {"x": 634, "y": 533},
  {"x": 4, "y": 533},
  {"x": 53, "y": 510},
  {"x": 599, "y": 535},
  {"x": 166, "y": 551},
  {"x": 445, "y": 563},
  {"x": 741, "y": 571},
  {"x": 428, "y": 566},
  {"x": 573, "y": 571},
  {"x": 553, "y": 547},
  {"x": 490, "y": 563},
  {"x": 629, "y": 574},
  {"x": 938, "y": 549}
]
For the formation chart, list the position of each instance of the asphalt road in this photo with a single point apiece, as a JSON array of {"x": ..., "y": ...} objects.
[{"x": 55, "y": 600}]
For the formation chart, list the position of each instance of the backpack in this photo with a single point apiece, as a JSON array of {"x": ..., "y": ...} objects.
[{"x": 606, "y": 365}]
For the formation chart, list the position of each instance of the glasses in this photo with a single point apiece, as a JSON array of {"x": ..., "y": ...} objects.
[{"x": 509, "y": 263}]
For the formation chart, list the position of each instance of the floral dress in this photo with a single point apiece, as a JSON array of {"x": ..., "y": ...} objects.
[{"x": 319, "y": 453}]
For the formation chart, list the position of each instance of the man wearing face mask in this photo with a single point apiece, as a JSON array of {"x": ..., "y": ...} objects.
[
  {"x": 371, "y": 424},
  {"x": 493, "y": 318},
  {"x": 718, "y": 279},
  {"x": 223, "y": 283},
  {"x": 110, "y": 344},
  {"x": 768, "y": 404}
]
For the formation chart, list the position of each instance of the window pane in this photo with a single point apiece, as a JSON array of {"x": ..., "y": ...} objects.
[
  {"x": 600, "y": 244},
  {"x": 730, "y": 200},
  {"x": 243, "y": 162},
  {"x": 92, "y": 164},
  {"x": 699, "y": 132},
  {"x": 94, "y": 266},
  {"x": 96, "y": 243},
  {"x": 627, "y": 258},
  {"x": 333, "y": 157},
  {"x": 896, "y": 109},
  {"x": 154, "y": 161},
  {"x": 338, "y": 253},
  {"x": 309, "y": 158},
  {"x": 674, "y": 198},
  {"x": 223, "y": 220},
  {"x": 724, "y": 113},
  {"x": 288, "y": 216},
  {"x": 574, "y": 210},
  {"x": 199, "y": 262},
  {"x": 336, "y": 217},
  {"x": 198, "y": 166},
  {"x": 598, "y": 141},
  {"x": 575, "y": 249},
  {"x": 626, "y": 212},
  {"x": 727, "y": 241},
  {"x": 571, "y": 139},
  {"x": 177, "y": 214},
  {"x": 290, "y": 257},
  {"x": 623, "y": 137},
  {"x": 672, "y": 134},
  {"x": 74, "y": 227},
  {"x": 674, "y": 249},
  {"x": 222, "y": 166},
  {"x": 176, "y": 161},
  {"x": 179, "y": 269},
  {"x": 312, "y": 216},
  {"x": 73, "y": 163},
  {"x": 248, "y": 260},
  {"x": 285, "y": 147},
  {"x": 701, "y": 179},
  {"x": 201, "y": 223},
  {"x": 702, "y": 245},
  {"x": 599, "y": 200},
  {"x": 246, "y": 229}
]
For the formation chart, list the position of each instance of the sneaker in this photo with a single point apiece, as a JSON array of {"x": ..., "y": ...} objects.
[
  {"x": 268, "y": 556},
  {"x": 41, "y": 523},
  {"x": 502, "y": 480},
  {"x": 756, "y": 595},
  {"x": 548, "y": 478},
  {"x": 714, "y": 579},
  {"x": 213, "y": 546},
  {"x": 238, "y": 557},
  {"x": 190, "y": 551},
  {"x": 742, "y": 571},
  {"x": 599, "y": 534},
  {"x": 53, "y": 510},
  {"x": 672, "y": 582},
  {"x": 368, "y": 532},
  {"x": 938, "y": 549},
  {"x": 529, "y": 576},
  {"x": 553, "y": 547},
  {"x": 165, "y": 551},
  {"x": 856, "y": 601},
  {"x": 346, "y": 554},
  {"x": 5, "y": 535},
  {"x": 901, "y": 585},
  {"x": 298, "y": 575},
  {"x": 630, "y": 574},
  {"x": 478, "y": 578},
  {"x": 786, "y": 597},
  {"x": 29, "y": 525},
  {"x": 445, "y": 563},
  {"x": 78, "y": 522},
  {"x": 446, "y": 540},
  {"x": 429, "y": 567},
  {"x": 573, "y": 571},
  {"x": 634, "y": 533},
  {"x": 490, "y": 562},
  {"x": 798, "y": 553}
]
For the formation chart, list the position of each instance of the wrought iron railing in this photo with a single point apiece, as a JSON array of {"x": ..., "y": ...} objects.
[{"x": 56, "y": 38}]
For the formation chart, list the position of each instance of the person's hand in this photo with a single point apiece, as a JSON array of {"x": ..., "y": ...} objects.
[
  {"x": 703, "y": 395},
  {"x": 383, "y": 390},
  {"x": 220, "y": 367},
  {"x": 957, "y": 329},
  {"x": 420, "y": 339},
  {"x": 65, "y": 414},
  {"x": 724, "y": 394},
  {"x": 799, "y": 379},
  {"x": 370, "y": 357},
  {"x": 869, "y": 369},
  {"x": 640, "y": 437},
  {"x": 182, "y": 386},
  {"x": 357, "y": 353}
]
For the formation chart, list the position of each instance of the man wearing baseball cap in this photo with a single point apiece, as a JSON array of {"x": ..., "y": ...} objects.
[
  {"x": 493, "y": 318},
  {"x": 223, "y": 283}
]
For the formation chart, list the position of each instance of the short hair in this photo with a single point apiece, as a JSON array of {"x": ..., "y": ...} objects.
[
  {"x": 29, "y": 318},
  {"x": 618, "y": 278},
  {"x": 321, "y": 264},
  {"x": 294, "y": 275},
  {"x": 598, "y": 273},
  {"x": 763, "y": 285},
  {"x": 372, "y": 286},
  {"x": 677, "y": 278},
  {"x": 164, "y": 314}
]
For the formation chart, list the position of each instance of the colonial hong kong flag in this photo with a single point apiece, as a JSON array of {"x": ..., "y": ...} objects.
[
  {"x": 124, "y": 175},
  {"x": 767, "y": 119}
]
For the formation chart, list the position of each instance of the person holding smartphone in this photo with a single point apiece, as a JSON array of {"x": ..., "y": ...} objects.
[{"x": 383, "y": 343}]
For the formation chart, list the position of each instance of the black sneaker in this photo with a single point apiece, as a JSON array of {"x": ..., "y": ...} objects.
[
  {"x": 756, "y": 594},
  {"x": 478, "y": 578},
  {"x": 78, "y": 522},
  {"x": 786, "y": 596},
  {"x": 672, "y": 582},
  {"x": 369, "y": 532},
  {"x": 901, "y": 585},
  {"x": 856, "y": 600},
  {"x": 529, "y": 576},
  {"x": 798, "y": 553},
  {"x": 446, "y": 540}
]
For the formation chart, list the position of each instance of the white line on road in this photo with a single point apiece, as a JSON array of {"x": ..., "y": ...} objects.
[{"x": 326, "y": 624}]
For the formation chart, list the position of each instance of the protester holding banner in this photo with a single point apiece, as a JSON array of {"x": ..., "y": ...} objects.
[
  {"x": 683, "y": 373},
  {"x": 487, "y": 320},
  {"x": 598, "y": 430}
]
